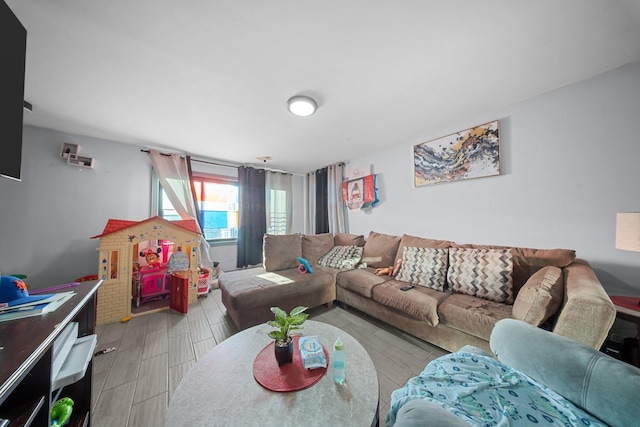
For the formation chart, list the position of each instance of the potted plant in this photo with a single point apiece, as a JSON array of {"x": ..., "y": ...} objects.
[{"x": 286, "y": 325}]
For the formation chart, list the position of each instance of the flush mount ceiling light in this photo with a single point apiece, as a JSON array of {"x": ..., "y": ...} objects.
[{"x": 301, "y": 105}]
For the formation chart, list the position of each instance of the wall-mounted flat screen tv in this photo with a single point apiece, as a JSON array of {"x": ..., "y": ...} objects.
[{"x": 13, "y": 48}]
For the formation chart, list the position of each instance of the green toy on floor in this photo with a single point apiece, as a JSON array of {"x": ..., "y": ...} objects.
[{"x": 61, "y": 411}]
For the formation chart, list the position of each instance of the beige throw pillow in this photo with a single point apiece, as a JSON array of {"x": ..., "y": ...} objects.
[
  {"x": 527, "y": 261},
  {"x": 342, "y": 257},
  {"x": 483, "y": 273},
  {"x": 424, "y": 267},
  {"x": 420, "y": 242},
  {"x": 541, "y": 297}
]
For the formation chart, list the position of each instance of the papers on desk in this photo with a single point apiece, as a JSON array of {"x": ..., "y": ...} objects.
[{"x": 36, "y": 308}]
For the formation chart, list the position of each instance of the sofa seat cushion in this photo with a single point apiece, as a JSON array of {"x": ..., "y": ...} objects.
[
  {"x": 473, "y": 315},
  {"x": 246, "y": 289},
  {"x": 360, "y": 281},
  {"x": 420, "y": 302}
]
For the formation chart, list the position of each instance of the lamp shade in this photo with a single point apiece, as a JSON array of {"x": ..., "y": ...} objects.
[
  {"x": 628, "y": 231},
  {"x": 302, "y": 105}
]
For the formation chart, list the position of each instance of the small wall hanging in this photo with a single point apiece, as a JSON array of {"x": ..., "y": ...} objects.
[
  {"x": 471, "y": 153},
  {"x": 360, "y": 192}
]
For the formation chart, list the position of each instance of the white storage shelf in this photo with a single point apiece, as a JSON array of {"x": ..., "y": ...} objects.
[
  {"x": 71, "y": 356},
  {"x": 76, "y": 363},
  {"x": 71, "y": 152},
  {"x": 67, "y": 149},
  {"x": 82, "y": 161},
  {"x": 62, "y": 346}
]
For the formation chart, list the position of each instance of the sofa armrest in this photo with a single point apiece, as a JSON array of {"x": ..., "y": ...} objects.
[
  {"x": 587, "y": 312},
  {"x": 593, "y": 381}
]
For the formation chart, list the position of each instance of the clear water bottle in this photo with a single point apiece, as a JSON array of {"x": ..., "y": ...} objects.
[{"x": 338, "y": 361}]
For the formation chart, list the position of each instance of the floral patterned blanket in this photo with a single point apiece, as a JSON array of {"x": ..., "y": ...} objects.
[{"x": 485, "y": 392}]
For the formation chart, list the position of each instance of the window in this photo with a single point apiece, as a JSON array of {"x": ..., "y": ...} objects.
[
  {"x": 217, "y": 199},
  {"x": 278, "y": 202},
  {"x": 277, "y": 212}
]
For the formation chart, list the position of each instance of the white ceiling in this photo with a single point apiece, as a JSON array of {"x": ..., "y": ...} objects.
[{"x": 211, "y": 78}]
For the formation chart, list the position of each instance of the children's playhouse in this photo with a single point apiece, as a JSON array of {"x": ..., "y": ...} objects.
[{"x": 137, "y": 260}]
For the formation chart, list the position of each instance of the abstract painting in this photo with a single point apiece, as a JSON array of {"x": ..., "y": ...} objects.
[{"x": 471, "y": 153}]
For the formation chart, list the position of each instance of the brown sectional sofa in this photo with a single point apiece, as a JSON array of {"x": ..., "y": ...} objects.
[{"x": 544, "y": 287}]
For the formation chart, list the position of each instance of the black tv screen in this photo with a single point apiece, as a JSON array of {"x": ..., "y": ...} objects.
[{"x": 13, "y": 48}]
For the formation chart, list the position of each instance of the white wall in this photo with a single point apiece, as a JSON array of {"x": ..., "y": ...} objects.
[
  {"x": 47, "y": 219},
  {"x": 569, "y": 163}
]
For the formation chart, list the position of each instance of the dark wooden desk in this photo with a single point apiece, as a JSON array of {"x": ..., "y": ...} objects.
[{"x": 26, "y": 358}]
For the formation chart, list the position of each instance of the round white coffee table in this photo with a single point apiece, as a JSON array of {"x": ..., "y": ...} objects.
[{"x": 220, "y": 389}]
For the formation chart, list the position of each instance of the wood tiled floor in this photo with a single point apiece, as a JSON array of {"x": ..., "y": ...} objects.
[{"x": 133, "y": 384}]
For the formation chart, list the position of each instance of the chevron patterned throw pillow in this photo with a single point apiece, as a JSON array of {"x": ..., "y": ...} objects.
[
  {"x": 425, "y": 267},
  {"x": 484, "y": 273},
  {"x": 342, "y": 257}
]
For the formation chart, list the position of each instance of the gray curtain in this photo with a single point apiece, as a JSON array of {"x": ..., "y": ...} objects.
[
  {"x": 335, "y": 205},
  {"x": 322, "y": 201},
  {"x": 253, "y": 214},
  {"x": 310, "y": 223}
]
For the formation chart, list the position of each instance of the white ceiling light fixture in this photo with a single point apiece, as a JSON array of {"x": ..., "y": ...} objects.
[{"x": 301, "y": 105}]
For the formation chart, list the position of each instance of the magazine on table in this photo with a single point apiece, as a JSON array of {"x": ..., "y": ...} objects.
[{"x": 37, "y": 308}]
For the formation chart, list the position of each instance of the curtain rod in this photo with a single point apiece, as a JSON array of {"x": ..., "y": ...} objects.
[
  {"x": 198, "y": 160},
  {"x": 224, "y": 164}
]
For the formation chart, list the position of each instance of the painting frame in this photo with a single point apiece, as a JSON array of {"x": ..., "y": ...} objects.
[{"x": 468, "y": 154}]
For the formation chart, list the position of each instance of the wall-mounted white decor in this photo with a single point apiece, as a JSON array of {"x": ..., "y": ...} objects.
[
  {"x": 67, "y": 149},
  {"x": 71, "y": 152}
]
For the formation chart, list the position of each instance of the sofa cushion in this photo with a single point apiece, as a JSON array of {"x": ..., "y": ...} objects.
[
  {"x": 249, "y": 289},
  {"x": 485, "y": 273},
  {"x": 360, "y": 281},
  {"x": 344, "y": 239},
  {"x": 472, "y": 315},
  {"x": 592, "y": 380},
  {"x": 420, "y": 302},
  {"x": 314, "y": 246},
  {"x": 420, "y": 242},
  {"x": 281, "y": 251},
  {"x": 342, "y": 257},
  {"x": 540, "y": 297},
  {"x": 424, "y": 267},
  {"x": 381, "y": 245},
  {"x": 527, "y": 261},
  {"x": 485, "y": 392}
]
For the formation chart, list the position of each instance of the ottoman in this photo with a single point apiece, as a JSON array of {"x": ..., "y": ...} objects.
[{"x": 248, "y": 297}]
